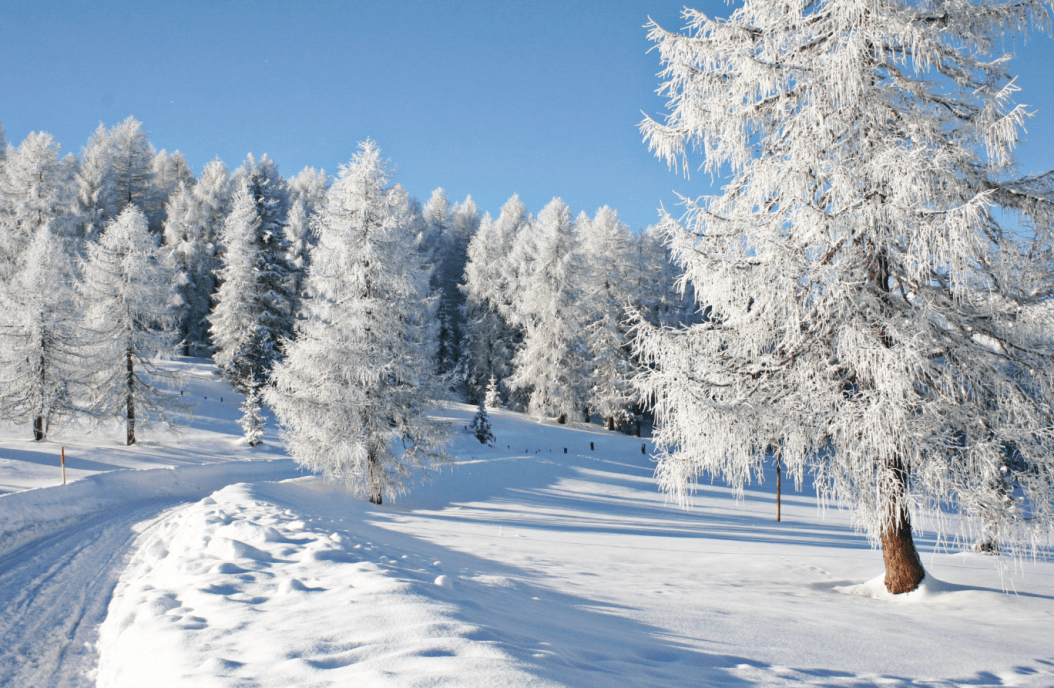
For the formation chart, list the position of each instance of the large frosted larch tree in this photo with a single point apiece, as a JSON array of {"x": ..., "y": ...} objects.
[
  {"x": 42, "y": 343},
  {"x": 194, "y": 220},
  {"x": 254, "y": 309},
  {"x": 353, "y": 392},
  {"x": 877, "y": 276},
  {"x": 606, "y": 246},
  {"x": 132, "y": 295},
  {"x": 551, "y": 365}
]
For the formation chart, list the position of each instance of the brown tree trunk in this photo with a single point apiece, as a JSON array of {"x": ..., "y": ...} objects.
[
  {"x": 904, "y": 569},
  {"x": 610, "y": 423},
  {"x": 562, "y": 418},
  {"x": 375, "y": 478},
  {"x": 38, "y": 422},
  {"x": 131, "y": 398}
]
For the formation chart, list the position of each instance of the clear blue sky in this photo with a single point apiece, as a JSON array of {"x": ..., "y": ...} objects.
[{"x": 484, "y": 98}]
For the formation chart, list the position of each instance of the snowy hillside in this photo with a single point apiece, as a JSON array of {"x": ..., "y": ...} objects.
[{"x": 518, "y": 565}]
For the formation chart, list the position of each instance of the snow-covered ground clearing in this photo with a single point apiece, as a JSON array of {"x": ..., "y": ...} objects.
[{"x": 528, "y": 566}]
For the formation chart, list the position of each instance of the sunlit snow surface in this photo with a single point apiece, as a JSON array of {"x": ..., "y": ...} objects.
[{"x": 519, "y": 565}]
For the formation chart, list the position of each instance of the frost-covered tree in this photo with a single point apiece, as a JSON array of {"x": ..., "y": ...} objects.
[
  {"x": 93, "y": 199},
  {"x": 353, "y": 392},
  {"x": 255, "y": 300},
  {"x": 34, "y": 193},
  {"x": 117, "y": 170},
  {"x": 306, "y": 191},
  {"x": 552, "y": 363},
  {"x": 606, "y": 245},
  {"x": 170, "y": 173},
  {"x": 3, "y": 147},
  {"x": 659, "y": 294},
  {"x": 132, "y": 295},
  {"x": 876, "y": 319},
  {"x": 194, "y": 220},
  {"x": 490, "y": 341},
  {"x": 480, "y": 426},
  {"x": 42, "y": 344}
]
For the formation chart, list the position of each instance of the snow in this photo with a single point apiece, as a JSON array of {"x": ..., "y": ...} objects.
[{"x": 519, "y": 565}]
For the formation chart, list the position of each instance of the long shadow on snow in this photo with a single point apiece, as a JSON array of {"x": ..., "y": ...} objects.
[
  {"x": 566, "y": 639},
  {"x": 623, "y": 499}
]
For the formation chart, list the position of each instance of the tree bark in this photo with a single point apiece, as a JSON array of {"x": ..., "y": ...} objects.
[
  {"x": 131, "y": 398},
  {"x": 904, "y": 569},
  {"x": 38, "y": 422},
  {"x": 562, "y": 418},
  {"x": 375, "y": 478},
  {"x": 611, "y": 423}
]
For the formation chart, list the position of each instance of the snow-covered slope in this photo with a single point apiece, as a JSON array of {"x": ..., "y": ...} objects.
[{"x": 518, "y": 565}]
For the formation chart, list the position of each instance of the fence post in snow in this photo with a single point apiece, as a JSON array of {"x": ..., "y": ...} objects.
[{"x": 63, "y": 465}]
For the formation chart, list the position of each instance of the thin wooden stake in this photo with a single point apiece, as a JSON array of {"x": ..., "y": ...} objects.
[
  {"x": 63, "y": 465},
  {"x": 779, "y": 486}
]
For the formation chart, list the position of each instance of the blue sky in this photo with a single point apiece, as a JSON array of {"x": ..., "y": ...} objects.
[{"x": 484, "y": 98}]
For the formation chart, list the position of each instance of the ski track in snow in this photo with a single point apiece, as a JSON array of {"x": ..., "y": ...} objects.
[{"x": 54, "y": 593}]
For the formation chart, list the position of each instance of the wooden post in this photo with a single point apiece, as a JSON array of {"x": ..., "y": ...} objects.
[
  {"x": 779, "y": 486},
  {"x": 63, "y": 465}
]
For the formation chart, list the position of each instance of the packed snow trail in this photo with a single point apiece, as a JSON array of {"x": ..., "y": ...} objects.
[
  {"x": 63, "y": 548},
  {"x": 54, "y": 593}
]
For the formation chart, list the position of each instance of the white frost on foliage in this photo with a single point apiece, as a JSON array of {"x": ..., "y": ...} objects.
[
  {"x": 352, "y": 393},
  {"x": 868, "y": 310}
]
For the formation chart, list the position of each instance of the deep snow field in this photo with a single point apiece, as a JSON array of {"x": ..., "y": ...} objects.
[{"x": 193, "y": 560}]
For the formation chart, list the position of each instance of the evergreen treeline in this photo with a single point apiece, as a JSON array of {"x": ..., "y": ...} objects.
[{"x": 119, "y": 257}]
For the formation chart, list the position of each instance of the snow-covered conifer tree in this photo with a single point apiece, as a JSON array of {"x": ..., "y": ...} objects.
[
  {"x": 480, "y": 426},
  {"x": 34, "y": 193},
  {"x": 194, "y": 219},
  {"x": 170, "y": 173},
  {"x": 3, "y": 147},
  {"x": 551, "y": 364},
  {"x": 875, "y": 321},
  {"x": 353, "y": 392},
  {"x": 94, "y": 208},
  {"x": 493, "y": 396},
  {"x": 605, "y": 245},
  {"x": 490, "y": 340},
  {"x": 306, "y": 191},
  {"x": 131, "y": 172},
  {"x": 254, "y": 303},
  {"x": 132, "y": 295},
  {"x": 42, "y": 344}
]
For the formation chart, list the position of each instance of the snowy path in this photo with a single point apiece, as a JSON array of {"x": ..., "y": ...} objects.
[{"x": 54, "y": 593}]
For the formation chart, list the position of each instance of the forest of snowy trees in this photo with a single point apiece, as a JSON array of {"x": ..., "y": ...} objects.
[
  {"x": 867, "y": 303},
  {"x": 119, "y": 257}
]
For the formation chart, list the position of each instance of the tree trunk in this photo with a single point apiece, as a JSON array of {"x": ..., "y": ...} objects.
[
  {"x": 38, "y": 422},
  {"x": 904, "y": 570},
  {"x": 131, "y": 398},
  {"x": 375, "y": 478},
  {"x": 610, "y": 423},
  {"x": 562, "y": 418}
]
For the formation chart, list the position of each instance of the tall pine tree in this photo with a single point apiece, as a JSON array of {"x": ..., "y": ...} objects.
[{"x": 353, "y": 393}]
